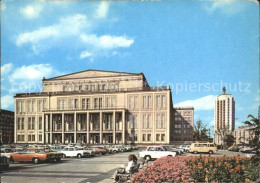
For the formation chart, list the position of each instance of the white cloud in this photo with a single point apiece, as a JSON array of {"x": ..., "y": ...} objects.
[
  {"x": 68, "y": 26},
  {"x": 106, "y": 41},
  {"x": 5, "y": 69},
  {"x": 85, "y": 54},
  {"x": 102, "y": 10},
  {"x": 228, "y": 7},
  {"x": 31, "y": 11},
  {"x": 7, "y": 101},
  {"x": 32, "y": 72},
  {"x": 204, "y": 103}
]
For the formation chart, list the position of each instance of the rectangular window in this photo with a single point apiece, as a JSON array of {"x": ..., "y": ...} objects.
[
  {"x": 144, "y": 137},
  {"x": 88, "y": 103},
  {"x": 130, "y": 102},
  {"x": 157, "y": 137},
  {"x": 83, "y": 103},
  {"x": 149, "y": 102},
  {"x": 148, "y": 123},
  {"x": 162, "y": 137},
  {"x": 33, "y": 123},
  {"x": 158, "y": 120},
  {"x": 29, "y": 138},
  {"x": 149, "y": 137},
  {"x": 29, "y": 123},
  {"x": 144, "y": 102},
  {"x": 163, "y": 101},
  {"x": 144, "y": 121},
  {"x": 162, "y": 121},
  {"x": 135, "y": 102},
  {"x": 40, "y": 123},
  {"x": 131, "y": 121},
  {"x": 40, "y": 138},
  {"x": 135, "y": 121},
  {"x": 157, "y": 101}
]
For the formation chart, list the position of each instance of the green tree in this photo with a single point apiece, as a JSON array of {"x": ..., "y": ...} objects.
[
  {"x": 229, "y": 139},
  {"x": 255, "y": 128},
  {"x": 200, "y": 132}
]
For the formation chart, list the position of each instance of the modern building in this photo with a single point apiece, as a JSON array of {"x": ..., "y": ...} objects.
[
  {"x": 243, "y": 134},
  {"x": 95, "y": 107},
  {"x": 224, "y": 116},
  {"x": 182, "y": 130},
  {"x": 6, "y": 127}
]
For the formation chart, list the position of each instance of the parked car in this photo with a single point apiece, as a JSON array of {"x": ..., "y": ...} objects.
[
  {"x": 6, "y": 152},
  {"x": 200, "y": 147},
  {"x": 120, "y": 148},
  {"x": 109, "y": 148},
  {"x": 35, "y": 155},
  {"x": 246, "y": 150},
  {"x": 128, "y": 148},
  {"x": 89, "y": 151},
  {"x": 174, "y": 149},
  {"x": 100, "y": 150},
  {"x": 4, "y": 163},
  {"x": 154, "y": 152},
  {"x": 234, "y": 148},
  {"x": 74, "y": 152}
]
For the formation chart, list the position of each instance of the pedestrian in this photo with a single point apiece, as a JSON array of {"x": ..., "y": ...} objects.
[{"x": 132, "y": 161}]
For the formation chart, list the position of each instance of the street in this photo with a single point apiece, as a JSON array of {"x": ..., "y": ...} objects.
[{"x": 96, "y": 169}]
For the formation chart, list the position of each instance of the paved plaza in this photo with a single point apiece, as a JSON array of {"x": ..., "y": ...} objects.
[{"x": 72, "y": 170}]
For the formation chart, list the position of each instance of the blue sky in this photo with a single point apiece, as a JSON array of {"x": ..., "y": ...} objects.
[{"x": 193, "y": 46}]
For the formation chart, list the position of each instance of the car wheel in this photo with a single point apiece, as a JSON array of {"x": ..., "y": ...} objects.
[
  {"x": 187, "y": 151},
  {"x": 88, "y": 155},
  {"x": 64, "y": 156},
  {"x": 115, "y": 151},
  {"x": 79, "y": 156},
  {"x": 210, "y": 152},
  {"x": 35, "y": 160},
  {"x": 100, "y": 153},
  {"x": 195, "y": 152},
  {"x": 148, "y": 158},
  {"x": 169, "y": 156},
  {"x": 58, "y": 159}
]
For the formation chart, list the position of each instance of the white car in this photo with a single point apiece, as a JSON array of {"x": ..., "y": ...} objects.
[
  {"x": 154, "y": 152},
  {"x": 74, "y": 152},
  {"x": 6, "y": 152}
]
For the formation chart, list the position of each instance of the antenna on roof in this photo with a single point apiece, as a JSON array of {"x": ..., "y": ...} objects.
[{"x": 224, "y": 90}]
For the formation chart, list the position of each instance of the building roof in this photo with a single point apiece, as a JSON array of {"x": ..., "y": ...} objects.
[
  {"x": 91, "y": 73},
  {"x": 183, "y": 108}
]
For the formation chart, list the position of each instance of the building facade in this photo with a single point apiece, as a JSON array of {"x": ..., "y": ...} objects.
[
  {"x": 224, "y": 116},
  {"x": 6, "y": 126},
  {"x": 243, "y": 134},
  {"x": 95, "y": 107},
  {"x": 182, "y": 132}
]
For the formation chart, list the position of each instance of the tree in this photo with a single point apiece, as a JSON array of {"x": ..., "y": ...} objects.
[
  {"x": 200, "y": 132},
  {"x": 222, "y": 134},
  {"x": 255, "y": 127},
  {"x": 229, "y": 139}
]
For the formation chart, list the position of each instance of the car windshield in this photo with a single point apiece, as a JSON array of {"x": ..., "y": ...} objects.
[{"x": 40, "y": 151}]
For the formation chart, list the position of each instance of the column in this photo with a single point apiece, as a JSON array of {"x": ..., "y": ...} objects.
[
  {"x": 75, "y": 127},
  {"x": 101, "y": 128},
  {"x": 114, "y": 127},
  {"x": 123, "y": 121},
  {"x": 51, "y": 128},
  {"x": 87, "y": 127},
  {"x": 62, "y": 128}
]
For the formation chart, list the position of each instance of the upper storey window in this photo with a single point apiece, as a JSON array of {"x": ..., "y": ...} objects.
[
  {"x": 20, "y": 106},
  {"x": 62, "y": 104},
  {"x": 31, "y": 105},
  {"x": 160, "y": 101}
]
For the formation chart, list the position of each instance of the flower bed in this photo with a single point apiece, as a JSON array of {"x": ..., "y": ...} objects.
[
  {"x": 223, "y": 169},
  {"x": 200, "y": 169},
  {"x": 167, "y": 169}
]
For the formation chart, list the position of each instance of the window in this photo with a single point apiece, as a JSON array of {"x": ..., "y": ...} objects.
[
  {"x": 160, "y": 121},
  {"x": 20, "y": 123},
  {"x": 83, "y": 103},
  {"x": 20, "y": 106},
  {"x": 20, "y": 137},
  {"x": 31, "y": 105},
  {"x": 148, "y": 137},
  {"x": 157, "y": 101},
  {"x": 130, "y": 102},
  {"x": 163, "y": 121},
  {"x": 144, "y": 121},
  {"x": 135, "y": 102},
  {"x": 144, "y": 102},
  {"x": 144, "y": 137},
  {"x": 148, "y": 122},
  {"x": 40, "y": 123},
  {"x": 157, "y": 137},
  {"x": 31, "y": 137},
  {"x": 163, "y": 101},
  {"x": 62, "y": 104},
  {"x": 149, "y": 102}
]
